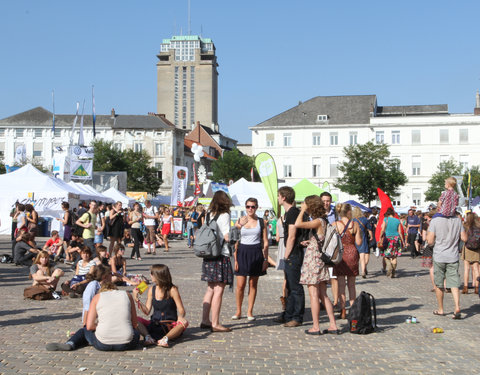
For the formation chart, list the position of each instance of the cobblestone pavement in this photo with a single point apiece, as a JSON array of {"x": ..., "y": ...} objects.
[{"x": 261, "y": 347}]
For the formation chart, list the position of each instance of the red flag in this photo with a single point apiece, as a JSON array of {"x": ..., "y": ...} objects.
[
  {"x": 251, "y": 175},
  {"x": 385, "y": 205}
]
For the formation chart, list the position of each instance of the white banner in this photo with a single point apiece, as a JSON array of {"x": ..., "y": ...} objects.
[
  {"x": 81, "y": 169},
  {"x": 59, "y": 169},
  {"x": 81, "y": 152},
  {"x": 179, "y": 186},
  {"x": 20, "y": 154}
]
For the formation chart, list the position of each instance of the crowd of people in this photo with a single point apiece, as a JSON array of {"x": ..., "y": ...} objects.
[{"x": 110, "y": 320}]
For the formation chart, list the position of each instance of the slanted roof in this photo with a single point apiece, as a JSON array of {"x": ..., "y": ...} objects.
[
  {"x": 352, "y": 109},
  {"x": 40, "y": 117}
]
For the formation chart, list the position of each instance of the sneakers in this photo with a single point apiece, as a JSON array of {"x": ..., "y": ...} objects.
[
  {"x": 292, "y": 323},
  {"x": 56, "y": 295},
  {"x": 57, "y": 347}
]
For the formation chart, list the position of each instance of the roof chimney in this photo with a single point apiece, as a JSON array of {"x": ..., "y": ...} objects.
[
  {"x": 113, "y": 113},
  {"x": 476, "y": 110}
]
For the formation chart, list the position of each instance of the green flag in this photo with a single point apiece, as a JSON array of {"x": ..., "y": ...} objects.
[{"x": 268, "y": 173}]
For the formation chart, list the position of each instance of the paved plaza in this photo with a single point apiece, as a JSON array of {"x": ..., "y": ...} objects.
[{"x": 260, "y": 347}]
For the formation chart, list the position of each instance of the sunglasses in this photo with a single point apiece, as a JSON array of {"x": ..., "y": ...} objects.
[{"x": 252, "y": 207}]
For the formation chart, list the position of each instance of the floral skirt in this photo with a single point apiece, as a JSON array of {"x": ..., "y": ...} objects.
[
  {"x": 217, "y": 270},
  {"x": 394, "y": 248}
]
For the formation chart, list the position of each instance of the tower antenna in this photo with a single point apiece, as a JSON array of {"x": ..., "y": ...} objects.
[{"x": 189, "y": 20}]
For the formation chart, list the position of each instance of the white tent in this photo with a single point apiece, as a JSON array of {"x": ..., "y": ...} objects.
[
  {"x": 119, "y": 196},
  {"x": 242, "y": 189},
  {"x": 89, "y": 193},
  {"x": 29, "y": 185}
]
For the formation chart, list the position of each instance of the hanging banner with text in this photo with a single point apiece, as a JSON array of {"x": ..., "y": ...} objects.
[
  {"x": 179, "y": 186},
  {"x": 268, "y": 174}
]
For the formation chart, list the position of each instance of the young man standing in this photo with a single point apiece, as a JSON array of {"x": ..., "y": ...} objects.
[
  {"x": 87, "y": 221},
  {"x": 295, "y": 305},
  {"x": 413, "y": 225},
  {"x": 444, "y": 234}
]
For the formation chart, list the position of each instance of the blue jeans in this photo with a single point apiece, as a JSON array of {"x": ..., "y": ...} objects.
[
  {"x": 84, "y": 337},
  {"x": 88, "y": 242},
  {"x": 296, "y": 296}
]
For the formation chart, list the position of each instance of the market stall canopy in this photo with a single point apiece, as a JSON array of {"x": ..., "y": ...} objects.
[
  {"x": 241, "y": 190},
  {"x": 305, "y": 188},
  {"x": 92, "y": 194},
  {"x": 359, "y": 205},
  {"x": 119, "y": 196}
]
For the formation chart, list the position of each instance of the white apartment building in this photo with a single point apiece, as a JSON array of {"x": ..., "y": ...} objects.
[
  {"x": 307, "y": 140},
  {"x": 152, "y": 133}
]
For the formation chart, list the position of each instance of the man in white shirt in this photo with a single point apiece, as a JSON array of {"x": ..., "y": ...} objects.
[{"x": 150, "y": 214}]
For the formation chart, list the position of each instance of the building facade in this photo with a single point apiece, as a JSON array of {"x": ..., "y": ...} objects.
[
  {"x": 152, "y": 133},
  {"x": 307, "y": 140},
  {"x": 187, "y": 81}
]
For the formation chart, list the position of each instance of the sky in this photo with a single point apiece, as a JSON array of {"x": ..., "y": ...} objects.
[{"x": 271, "y": 54}]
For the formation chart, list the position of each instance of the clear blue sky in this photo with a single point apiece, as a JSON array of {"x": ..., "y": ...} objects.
[{"x": 271, "y": 53}]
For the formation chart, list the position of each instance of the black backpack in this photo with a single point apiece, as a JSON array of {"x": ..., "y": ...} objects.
[
  {"x": 360, "y": 314},
  {"x": 77, "y": 229}
]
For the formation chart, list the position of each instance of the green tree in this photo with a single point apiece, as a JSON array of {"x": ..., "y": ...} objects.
[
  {"x": 233, "y": 165},
  {"x": 437, "y": 182},
  {"x": 368, "y": 167},
  {"x": 140, "y": 175}
]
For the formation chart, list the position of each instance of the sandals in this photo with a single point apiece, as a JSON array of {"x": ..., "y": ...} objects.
[
  {"x": 457, "y": 316},
  {"x": 435, "y": 312},
  {"x": 163, "y": 342},
  {"x": 149, "y": 340}
]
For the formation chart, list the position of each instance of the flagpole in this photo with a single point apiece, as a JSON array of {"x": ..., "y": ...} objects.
[
  {"x": 93, "y": 111},
  {"x": 74, "y": 123},
  {"x": 81, "y": 141},
  {"x": 53, "y": 121}
]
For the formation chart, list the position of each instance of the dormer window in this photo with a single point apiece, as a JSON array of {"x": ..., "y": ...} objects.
[{"x": 322, "y": 118}]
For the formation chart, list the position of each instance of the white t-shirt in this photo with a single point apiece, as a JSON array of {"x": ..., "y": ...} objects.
[
  {"x": 223, "y": 228},
  {"x": 150, "y": 212}
]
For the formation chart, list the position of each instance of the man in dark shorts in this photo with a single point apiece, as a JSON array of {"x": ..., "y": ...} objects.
[
  {"x": 295, "y": 305},
  {"x": 413, "y": 226}
]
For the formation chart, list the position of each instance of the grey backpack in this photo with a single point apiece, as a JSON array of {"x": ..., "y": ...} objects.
[{"x": 208, "y": 244}]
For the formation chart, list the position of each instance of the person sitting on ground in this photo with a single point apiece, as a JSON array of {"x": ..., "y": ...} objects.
[
  {"x": 98, "y": 276},
  {"x": 168, "y": 319},
  {"x": 43, "y": 273},
  {"x": 73, "y": 250},
  {"x": 24, "y": 251},
  {"x": 78, "y": 283},
  {"x": 32, "y": 219},
  {"x": 54, "y": 245},
  {"x": 111, "y": 323},
  {"x": 102, "y": 257},
  {"x": 127, "y": 239},
  {"x": 448, "y": 200},
  {"x": 118, "y": 265}
]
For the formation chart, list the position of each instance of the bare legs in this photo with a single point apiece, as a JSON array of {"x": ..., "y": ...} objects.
[
  {"x": 466, "y": 274},
  {"x": 319, "y": 292},
  {"x": 113, "y": 240},
  {"x": 212, "y": 302},
  {"x": 165, "y": 240},
  {"x": 240, "y": 292},
  {"x": 352, "y": 293},
  {"x": 456, "y": 299},
  {"x": 334, "y": 284},
  {"x": 364, "y": 259}
]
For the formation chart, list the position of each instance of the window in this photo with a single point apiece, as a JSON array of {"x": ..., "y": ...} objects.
[
  {"x": 287, "y": 171},
  {"x": 416, "y": 138},
  {"x": 270, "y": 139},
  {"x": 137, "y": 147},
  {"x": 333, "y": 167},
  {"x": 118, "y": 133},
  {"x": 463, "y": 137},
  {"x": 353, "y": 138},
  {"x": 333, "y": 139},
  {"x": 399, "y": 160},
  {"x": 287, "y": 139},
  {"x": 159, "y": 168},
  {"x": 417, "y": 197},
  {"x": 2, "y": 132},
  {"x": 379, "y": 137},
  {"x": 38, "y": 133},
  {"x": 57, "y": 132},
  {"x": 160, "y": 134},
  {"x": 117, "y": 146},
  {"x": 37, "y": 154},
  {"x": 443, "y": 158},
  {"x": 416, "y": 162},
  {"x": 316, "y": 167},
  {"x": 322, "y": 118},
  {"x": 19, "y": 132},
  {"x": 395, "y": 202},
  {"x": 159, "y": 149},
  {"x": 315, "y": 139},
  {"x": 464, "y": 163},
  {"x": 395, "y": 137},
  {"x": 444, "y": 136}
]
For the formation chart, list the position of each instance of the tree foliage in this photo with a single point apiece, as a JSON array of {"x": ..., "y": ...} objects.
[
  {"x": 368, "y": 167},
  {"x": 451, "y": 168},
  {"x": 233, "y": 165},
  {"x": 140, "y": 175}
]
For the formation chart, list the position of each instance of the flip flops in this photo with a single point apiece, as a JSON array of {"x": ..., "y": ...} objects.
[
  {"x": 457, "y": 316},
  {"x": 437, "y": 313}
]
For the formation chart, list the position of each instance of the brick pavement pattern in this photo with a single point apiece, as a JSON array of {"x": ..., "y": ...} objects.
[{"x": 259, "y": 347}]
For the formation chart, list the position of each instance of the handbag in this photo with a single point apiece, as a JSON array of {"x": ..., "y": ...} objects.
[
  {"x": 38, "y": 292},
  {"x": 383, "y": 240}
]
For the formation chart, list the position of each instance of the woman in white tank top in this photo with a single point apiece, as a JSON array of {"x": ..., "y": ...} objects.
[{"x": 251, "y": 257}]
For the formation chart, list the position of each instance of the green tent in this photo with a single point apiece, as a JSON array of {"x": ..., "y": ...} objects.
[{"x": 305, "y": 188}]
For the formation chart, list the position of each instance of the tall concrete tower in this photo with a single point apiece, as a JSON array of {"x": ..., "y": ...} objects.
[{"x": 187, "y": 81}]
